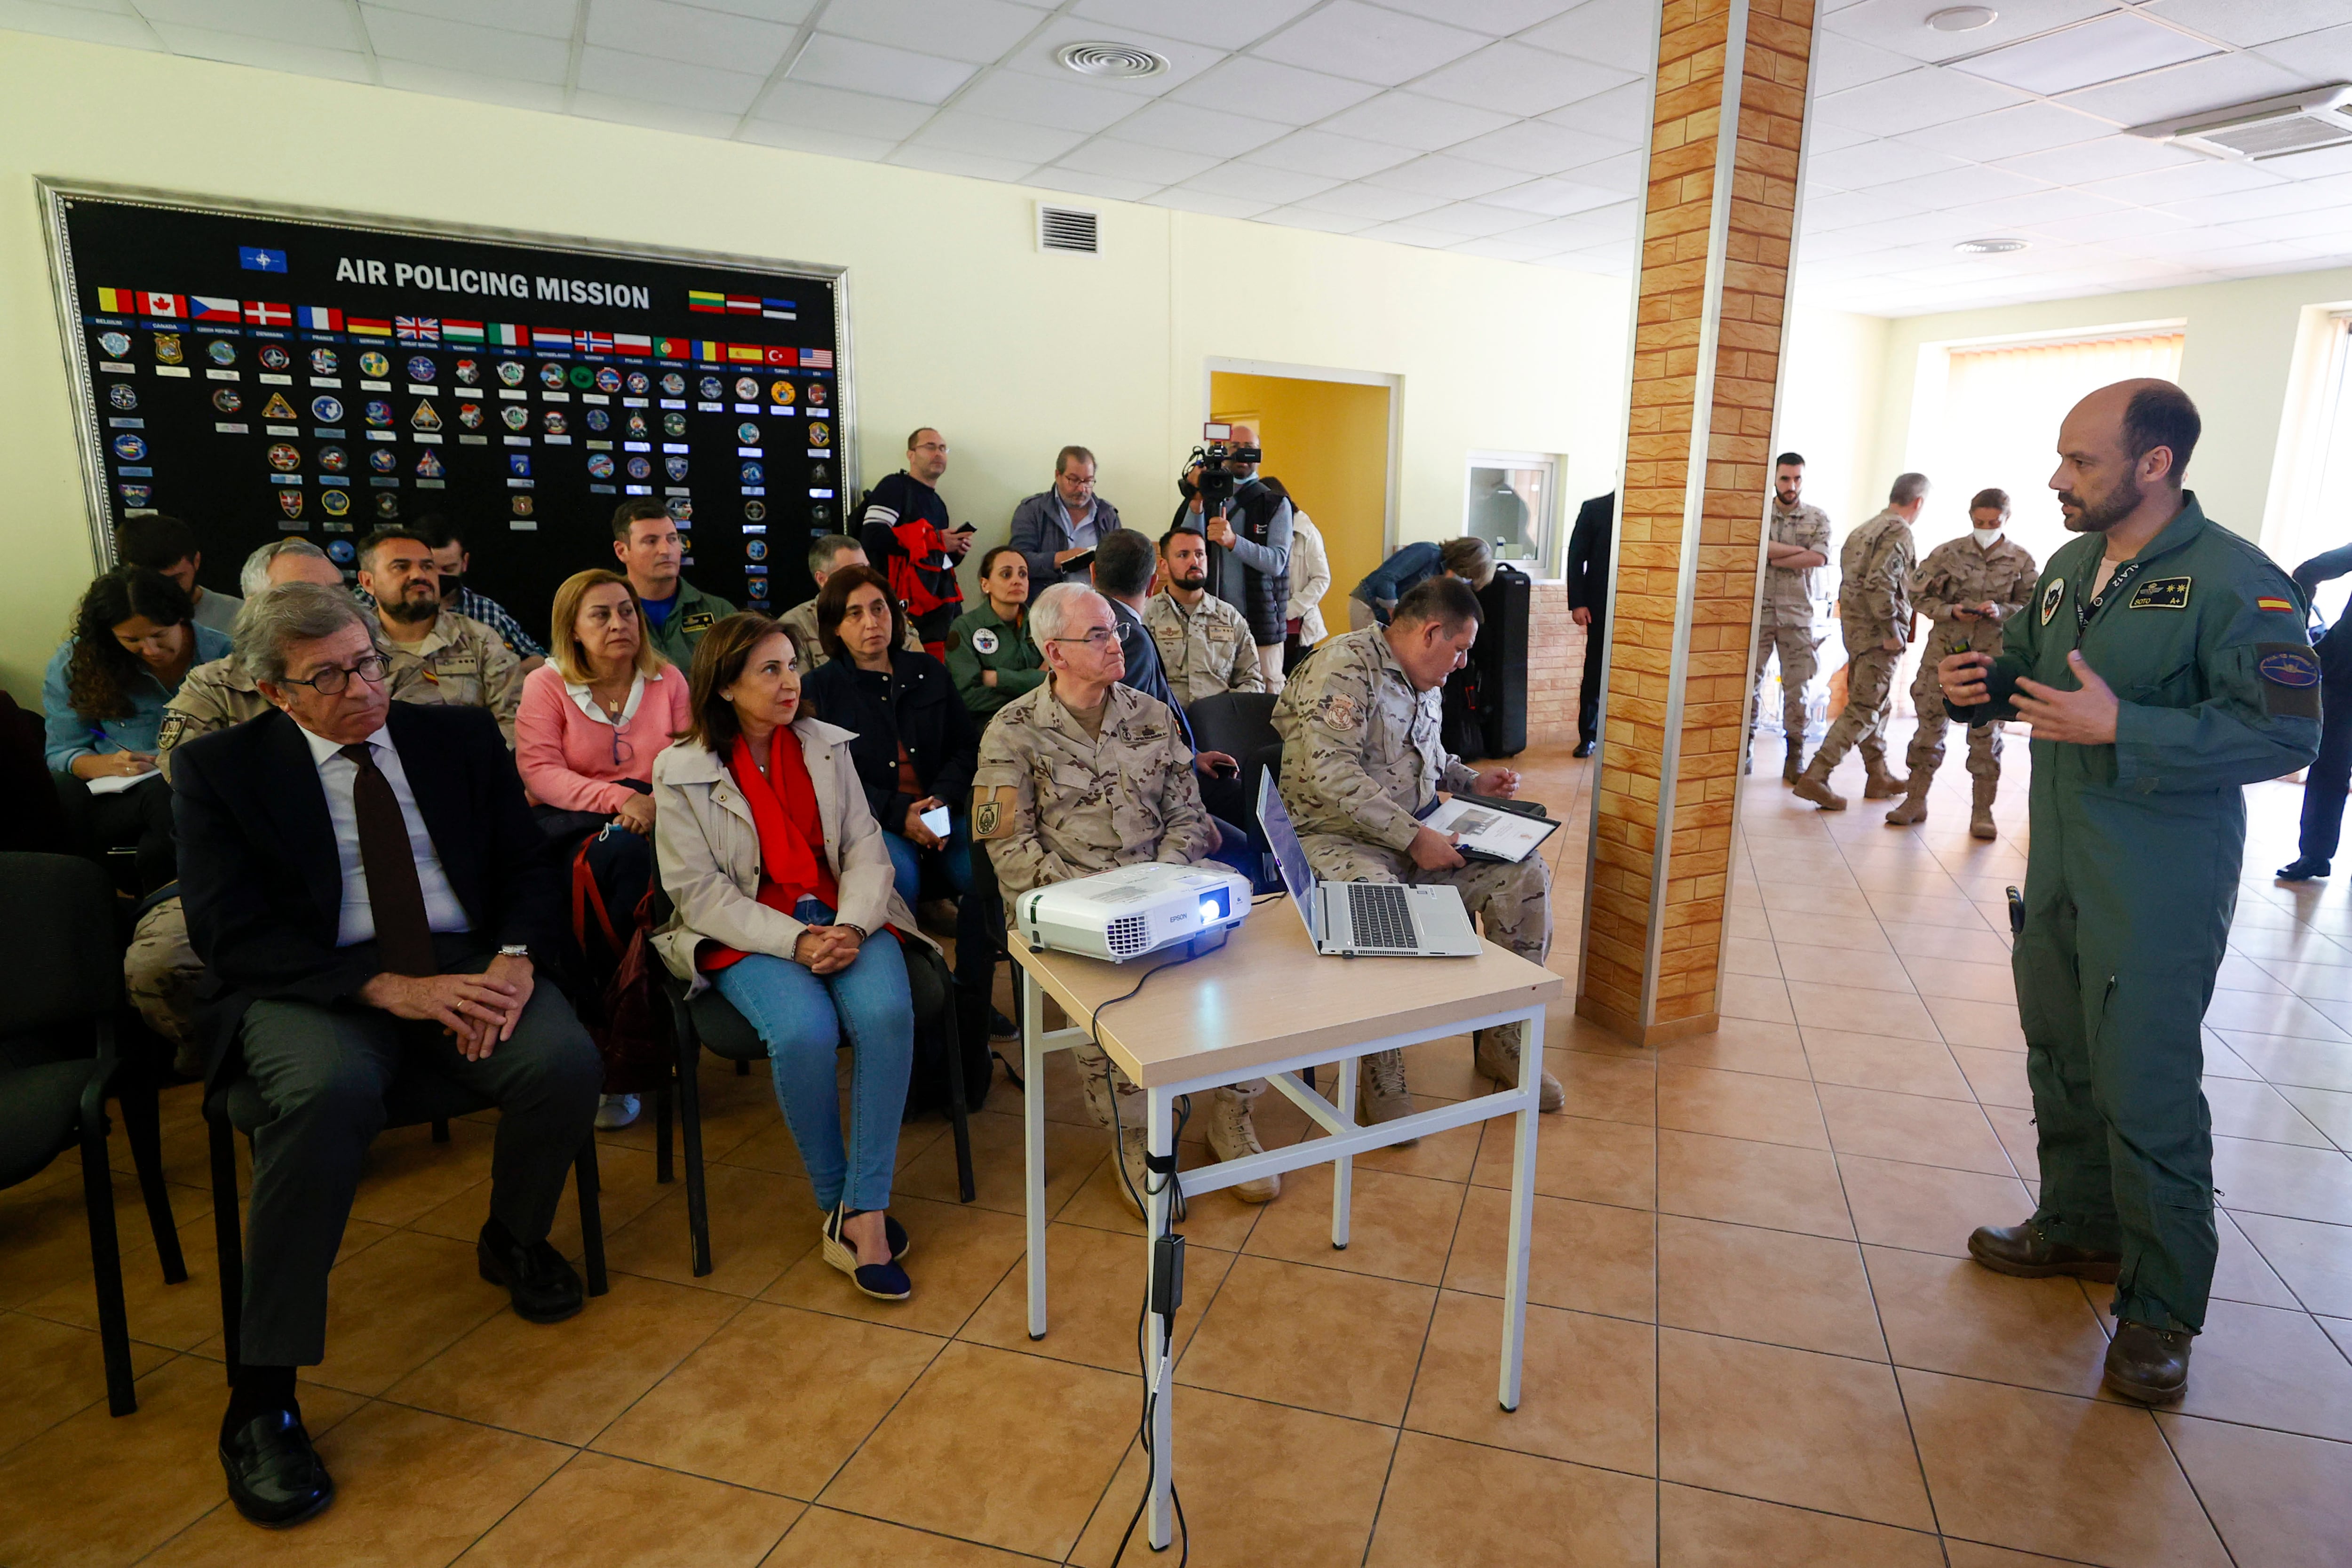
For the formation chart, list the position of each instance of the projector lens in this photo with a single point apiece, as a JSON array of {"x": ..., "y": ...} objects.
[{"x": 1213, "y": 906}]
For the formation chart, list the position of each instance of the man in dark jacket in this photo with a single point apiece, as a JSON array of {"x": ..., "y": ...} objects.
[
  {"x": 1060, "y": 523},
  {"x": 364, "y": 879},
  {"x": 906, "y": 535},
  {"x": 2330, "y": 777},
  {"x": 1249, "y": 553},
  {"x": 1588, "y": 607}
]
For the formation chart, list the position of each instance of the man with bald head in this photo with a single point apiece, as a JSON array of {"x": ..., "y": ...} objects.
[{"x": 2163, "y": 665}]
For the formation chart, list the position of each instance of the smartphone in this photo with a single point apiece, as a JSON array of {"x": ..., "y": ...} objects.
[
  {"x": 1077, "y": 564},
  {"x": 1225, "y": 770},
  {"x": 964, "y": 527},
  {"x": 935, "y": 819}
]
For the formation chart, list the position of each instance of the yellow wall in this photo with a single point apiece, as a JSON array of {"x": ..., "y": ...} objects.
[
  {"x": 1327, "y": 442},
  {"x": 957, "y": 321}
]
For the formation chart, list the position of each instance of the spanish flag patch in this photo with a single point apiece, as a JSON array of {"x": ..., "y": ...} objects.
[{"x": 2284, "y": 606}]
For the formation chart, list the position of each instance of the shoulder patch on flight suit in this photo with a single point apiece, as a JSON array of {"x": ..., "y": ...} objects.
[
  {"x": 2289, "y": 673},
  {"x": 697, "y": 621},
  {"x": 2051, "y": 597},
  {"x": 983, "y": 641},
  {"x": 991, "y": 811},
  {"x": 2159, "y": 593},
  {"x": 2283, "y": 606}
]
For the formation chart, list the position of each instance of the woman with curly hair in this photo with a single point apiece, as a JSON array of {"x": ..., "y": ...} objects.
[{"x": 102, "y": 697}]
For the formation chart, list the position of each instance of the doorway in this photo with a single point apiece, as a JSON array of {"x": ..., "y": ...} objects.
[{"x": 1329, "y": 442}]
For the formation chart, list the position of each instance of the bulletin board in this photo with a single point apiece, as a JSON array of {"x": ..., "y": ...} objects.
[{"x": 265, "y": 373}]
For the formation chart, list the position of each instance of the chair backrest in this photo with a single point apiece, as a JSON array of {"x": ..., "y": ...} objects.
[
  {"x": 1234, "y": 722},
  {"x": 56, "y": 931}
]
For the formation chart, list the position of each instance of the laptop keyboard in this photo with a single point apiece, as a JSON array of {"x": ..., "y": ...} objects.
[{"x": 1382, "y": 915}]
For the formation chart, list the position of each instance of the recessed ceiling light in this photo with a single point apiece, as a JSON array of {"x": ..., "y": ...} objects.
[
  {"x": 1989, "y": 247},
  {"x": 1124, "y": 61},
  {"x": 1963, "y": 18}
]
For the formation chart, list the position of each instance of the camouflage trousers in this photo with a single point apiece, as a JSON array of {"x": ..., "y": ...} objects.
[
  {"x": 1927, "y": 743},
  {"x": 1869, "y": 698},
  {"x": 1798, "y": 649},
  {"x": 1512, "y": 903},
  {"x": 160, "y": 970}
]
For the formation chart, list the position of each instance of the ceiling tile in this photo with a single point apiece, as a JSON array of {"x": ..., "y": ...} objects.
[
  {"x": 635, "y": 108},
  {"x": 548, "y": 18},
  {"x": 1577, "y": 233},
  {"x": 1189, "y": 129},
  {"x": 2101, "y": 159},
  {"x": 2206, "y": 177},
  {"x": 2315, "y": 164},
  {"x": 1554, "y": 198},
  {"x": 1840, "y": 62},
  {"x": 861, "y": 67},
  {"x": 698, "y": 88},
  {"x": 1959, "y": 187},
  {"x": 266, "y": 54},
  {"x": 1412, "y": 233},
  {"x": 1621, "y": 33},
  {"x": 1518, "y": 80},
  {"x": 1183, "y": 200},
  {"x": 1307, "y": 217},
  {"x": 817, "y": 139},
  {"x": 1501, "y": 248},
  {"x": 410, "y": 76},
  {"x": 1843, "y": 209},
  {"x": 1269, "y": 91},
  {"x": 2269, "y": 201},
  {"x": 1473, "y": 220},
  {"x": 121, "y": 28},
  {"x": 2111, "y": 224},
  {"x": 1538, "y": 147},
  {"x": 1071, "y": 104},
  {"x": 1873, "y": 164},
  {"x": 792, "y": 13},
  {"x": 1443, "y": 174},
  {"x": 2106, "y": 48},
  {"x": 282, "y": 21},
  {"x": 2320, "y": 57},
  {"x": 1370, "y": 202},
  {"x": 1349, "y": 38},
  {"x": 1320, "y": 152},
  {"x": 990, "y": 137},
  {"x": 1213, "y": 24},
  {"x": 1930, "y": 95},
  {"x": 976, "y": 30},
  {"x": 2214, "y": 83},
  {"x": 888, "y": 120},
  {"x": 2034, "y": 208},
  {"x": 1820, "y": 137},
  {"x": 1497, "y": 18},
  {"x": 1187, "y": 57},
  {"x": 486, "y": 51},
  {"x": 689, "y": 33},
  {"x": 1108, "y": 186},
  {"x": 1131, "y": 161},
  {"x": 1901, "y": 25},
  {"x": 1408, "y": 119},
  {"x": 1268, "y": 187},
  {"x": 2249, "y": 22},
  {"x": 2328, "y": 223},
  {"x": 2028, "y": 128},
  {"x": 1623, "y": 112},
  {"x": 948, "y": 161}
]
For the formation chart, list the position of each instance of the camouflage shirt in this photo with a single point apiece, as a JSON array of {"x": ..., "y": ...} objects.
[
  {"x": 1360, "y": 750},
  {"x": 1874, "y": 595},
  {"x": 461, "y": 663},
  {"x": 1792, "y": 592},
  {"x": 1205, "y": 650},
  {"x": 1960, "y": 572},
  {"x": 218, "y": 695},
  {"x": 1051, "y": 803}
]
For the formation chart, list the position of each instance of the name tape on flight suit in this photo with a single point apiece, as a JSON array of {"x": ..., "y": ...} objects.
[{"x": 2160, "y": 594}]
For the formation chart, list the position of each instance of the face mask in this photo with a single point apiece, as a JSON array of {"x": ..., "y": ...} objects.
[{"x": 1985, "y": 536}]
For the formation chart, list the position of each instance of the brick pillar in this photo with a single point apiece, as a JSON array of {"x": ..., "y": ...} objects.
[{"x": 1723, "y": 158}]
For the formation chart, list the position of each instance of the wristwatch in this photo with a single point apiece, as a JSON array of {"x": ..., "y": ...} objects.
[
  {"x": 852, "y": 925},
  {"x": 514, "y": 949}
]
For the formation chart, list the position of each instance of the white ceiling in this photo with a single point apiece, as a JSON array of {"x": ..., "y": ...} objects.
[{"x": 1508, "y": 129}]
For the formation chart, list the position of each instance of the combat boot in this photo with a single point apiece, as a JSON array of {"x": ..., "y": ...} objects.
[
  {"x": 1380, "y": 1091},
  {"x": 1914, "y": 807},
  {"x": 1795, "y": 765},
  {"x": 2150, "y": 1364},
  {"x": 1496, "y": 1054},
  {"x": 1980, "y": 814},
  {"x": 1232, "y": 1136},
  {"x": 1814, "y": 784},
  {"x": 2024, "y": 1252},
  {"x": 1878, "y": 784}
]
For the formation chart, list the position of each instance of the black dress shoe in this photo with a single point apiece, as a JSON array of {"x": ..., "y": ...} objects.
[
  {"x": 275, "y": 1477},
  {"x": 544, "y": 1286},
  {"x": 1583, "y": 749},
  {"x": 1001, "y": 1027},
  {"x": 2303, "y": 868},
  {"x": 2150, "y": 1365},
  {"x": 2022, "y": 1250}
]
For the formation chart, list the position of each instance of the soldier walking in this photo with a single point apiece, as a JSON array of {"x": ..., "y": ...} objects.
[{"x": 1874, "y": 614}]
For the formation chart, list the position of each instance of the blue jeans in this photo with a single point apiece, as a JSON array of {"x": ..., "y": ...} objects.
[
  {"x": 976, "y": 942},
  {"x": 804, "y": 1017}
]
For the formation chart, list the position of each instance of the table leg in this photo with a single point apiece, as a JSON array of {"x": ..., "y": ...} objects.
[
  {"x": 1343, "y": 1169},
  {"x": 1523, "y": 1210},
  {"x": 1033, "y": 1154},
  {"x": 1159, "y": 1359}
]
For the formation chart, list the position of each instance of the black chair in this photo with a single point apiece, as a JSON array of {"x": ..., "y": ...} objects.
[
  {"x": 418, "y": 1096},
  {"x": 710, "y": 1021},
  {"x": 58, "y": 1065}
]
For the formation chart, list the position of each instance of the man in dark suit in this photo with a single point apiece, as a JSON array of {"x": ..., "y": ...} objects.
[
  {"x": 366, "y": 887},
  {"x": 1588, "y": 607}
]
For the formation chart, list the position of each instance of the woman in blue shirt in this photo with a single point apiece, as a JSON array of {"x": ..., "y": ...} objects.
[
  {"x": 102, "y": 697},
  {"x": 1472, "y": 559}
]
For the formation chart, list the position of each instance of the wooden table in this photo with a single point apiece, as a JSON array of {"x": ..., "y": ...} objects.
[{"x": 1268, "y": 1005}]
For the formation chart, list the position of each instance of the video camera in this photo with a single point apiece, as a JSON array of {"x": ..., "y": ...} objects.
[{"x": 1216, "y": 482}]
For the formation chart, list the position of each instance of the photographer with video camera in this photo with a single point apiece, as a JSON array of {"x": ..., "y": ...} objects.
[{"x": 1247, "y": 525}]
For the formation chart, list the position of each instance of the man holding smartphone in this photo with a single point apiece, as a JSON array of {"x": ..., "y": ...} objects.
[{"x": 906, "y": 533}]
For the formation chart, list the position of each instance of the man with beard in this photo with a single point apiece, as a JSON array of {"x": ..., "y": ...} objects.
[
  {"x": 446, "y": 658},
  {"x": 2163, "y": 665},
  {"x": 1204, "y": 643}
]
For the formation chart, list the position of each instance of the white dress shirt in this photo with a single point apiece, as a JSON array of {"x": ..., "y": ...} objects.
[{"x": 337, "y": 774}]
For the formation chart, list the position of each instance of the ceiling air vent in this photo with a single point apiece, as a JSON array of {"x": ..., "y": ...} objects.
[
  {"x": 1073, "y": 231},
  {"x": 2268, "y": 128},
  {"x": 1120, "y": 62}
]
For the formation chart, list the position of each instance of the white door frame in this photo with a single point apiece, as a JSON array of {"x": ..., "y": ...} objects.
[{"x": 1395, "y": 383}]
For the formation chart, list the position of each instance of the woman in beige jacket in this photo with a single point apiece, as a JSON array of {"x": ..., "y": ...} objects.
[{"x": 784, "y": 900}]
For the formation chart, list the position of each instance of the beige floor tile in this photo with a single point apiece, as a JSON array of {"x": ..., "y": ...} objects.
[
  {"x": 1588, "y": 1385},
  {"x": 1741, "y": 1045},
  {"x": 1944, "y": 910},
  {"x": 2330, "y": 1110},
  {"x": 397, "y": 1304},
  {"x": 2261, "y": 1015},
  {"x": 48, "y": 1371},
  {"x": 1787, "y": 1426},
  {"x": 2268, "y": 1366},
  {"x": 1093, "y": 1280},
  {"x": 2315, "y": 1259},
  {"x": 597, "y": 1511},
  {"x": 1266, "y": 1483},
  {"x": 1807, "y": 1291},
  {"x": 2279, "y": 1500},
  {"x": 1447, "y": 1068},
  {"x": 1743, "y": 1182},
  {"x": 1750, "y": 955},
  {"x": 2019, "y": 1139},
  {"x": 760, "y": 1224},
  {"x": 1215, "y": 1219},
  {"x": 1590, "y": 1258},
  {"x": 778, "y": 1399},
  {"x": 1991, "y": 1025},
  {"x": 410, "y": 1488},
  {"x": 1577, "y": 1157},
  {"x": 2244, "y": 1110},
  {"x": 408, "y": 1175},
  {"x": 1954, "y": 944},
  {"x": 2241, "y": 1273},
  {"x": 1996, "y": 1077},
  {"x": 1782, "y": 899},
  {"x": 2077, "y": 1478},
  {"x": 1400, "y": 1228},
  {"x": 1071, "y": 1154},
  {"x": 2281, "y": 1179},
  {"x": 1853, "y": 933},
  {"x": 1913, "y": 1127},
  {"x": 1740, "y": 1105},
  {"x": 1009, "y": 1450},
  {"x": 1877, "y": 1061},
  {"x": 1927, "y": 1208},
  {"x": 1612, "y": 1088},
  {"x": 1950, "y": 1315},
  {"x": 2302, "y": 1064},
  {"x": 177, "y": 1317},
  {"x": 1528, "y": 1509},
  {"x": 1714, "y": 1530},
  {"x": 1342, "y": 1344},
  {"x": 1752, "y": 996},
  {"x": 1802, "y": 966},
  {"x": 1948, "y": 976},
  {"x": 828, "y": 1538},
  {"x": 956, "y": 1257},
  {"x": 1975, "y": 1554},
  {"x": 1901, "y": 1015},
  {"x": 45, "y": 1229}
]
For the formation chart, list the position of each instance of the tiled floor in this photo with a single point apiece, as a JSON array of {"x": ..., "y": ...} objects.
[{"x": 1756, "y": 1338}]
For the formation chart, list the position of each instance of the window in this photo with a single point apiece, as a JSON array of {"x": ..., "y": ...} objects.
[
  {"x": 2314, "y": 469},
  {"x": 1512, "y": 503}
]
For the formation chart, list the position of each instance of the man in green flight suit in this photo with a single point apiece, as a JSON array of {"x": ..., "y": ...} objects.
[{"x": 2162, "y": 664}]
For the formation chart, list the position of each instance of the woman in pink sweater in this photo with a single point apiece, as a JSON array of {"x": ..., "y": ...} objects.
[{"x": 591, "y": 723}]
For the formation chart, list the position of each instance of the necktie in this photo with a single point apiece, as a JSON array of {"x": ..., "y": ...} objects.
[{"x": 403, "y": 936}]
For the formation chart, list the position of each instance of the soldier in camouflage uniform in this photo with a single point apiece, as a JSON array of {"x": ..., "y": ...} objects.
[
  {"x": 1084, "y": 774},
  {"x": 1361, "y": 760},
  {"x": 1204, "y": 642},
  {"x": 1795, "y": 556},
  {"x": 1968, "y": 588},
  {"x": 1874, "y": 614},
  {"x": 455, "y": 660}
]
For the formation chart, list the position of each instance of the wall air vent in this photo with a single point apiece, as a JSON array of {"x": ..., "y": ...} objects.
[
  {"x": 1073, "y": 231},
  {"x": 2267, "y": 128}
]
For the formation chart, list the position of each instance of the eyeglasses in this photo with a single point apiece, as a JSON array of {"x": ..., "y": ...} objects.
[
  {"x": 332, "y": 681},
  {"x": 1099, "y": 638},
  {"x": 938, "y": 446}
]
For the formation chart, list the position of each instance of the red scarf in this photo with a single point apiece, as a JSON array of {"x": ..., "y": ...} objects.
[{"x": 792, "y": 834}]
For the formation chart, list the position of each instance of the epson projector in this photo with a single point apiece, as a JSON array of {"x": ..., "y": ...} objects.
[{"x": 1133, "y": 911}]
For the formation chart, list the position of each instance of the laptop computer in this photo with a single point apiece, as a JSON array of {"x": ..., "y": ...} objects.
[{"x": 1366, "y": 920}]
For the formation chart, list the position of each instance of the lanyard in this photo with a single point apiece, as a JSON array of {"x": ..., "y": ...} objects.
[{"x": 2085, "y": 610}]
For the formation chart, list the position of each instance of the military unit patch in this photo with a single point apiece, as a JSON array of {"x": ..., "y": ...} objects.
[
  {"x": 2289, "y": 673},
  {"x": 2051, "y": 598}
]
